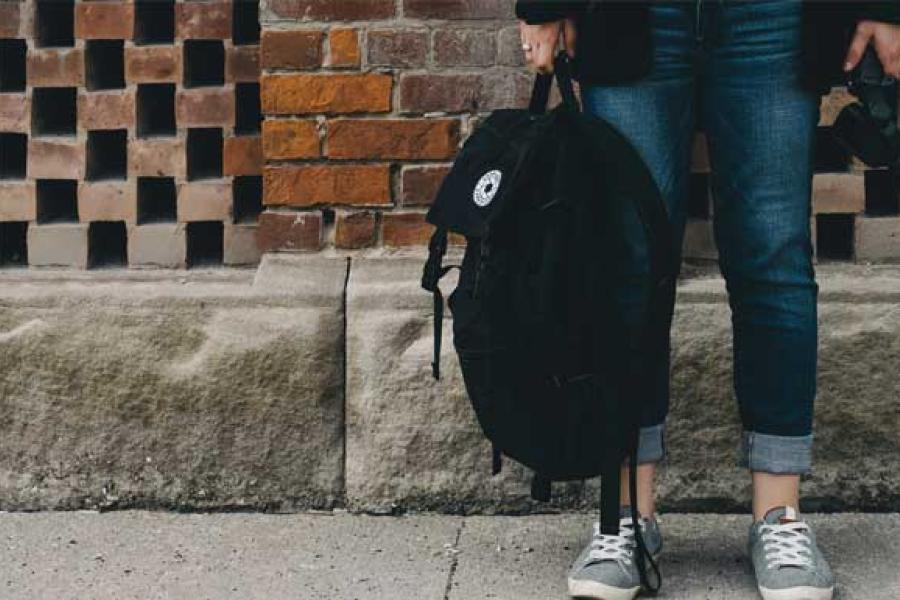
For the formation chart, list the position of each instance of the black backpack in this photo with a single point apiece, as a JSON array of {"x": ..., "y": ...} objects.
[{"x": 554, "y": 370}]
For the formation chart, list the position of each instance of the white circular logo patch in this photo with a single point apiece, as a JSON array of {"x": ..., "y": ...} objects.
[{"x": 487, "y": 188}]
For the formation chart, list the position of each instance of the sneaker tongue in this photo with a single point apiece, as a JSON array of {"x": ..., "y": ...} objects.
[{"x": 781, "y": 515}]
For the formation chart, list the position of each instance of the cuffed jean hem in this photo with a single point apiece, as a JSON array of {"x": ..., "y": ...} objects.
[
  {"x": 776, "y": 454},
  {"x": 652, "y": 444}
]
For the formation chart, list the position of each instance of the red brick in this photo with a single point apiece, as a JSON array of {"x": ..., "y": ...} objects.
[
  {"x": 104, "y": 20},
  {"x": 56, "y": 68},
  {"x": 151, "y": 64},
  {"x": 355, "y": 229},
  {"x": 242, "y": 64},
  {"x": 291, "y": 49},
  {"x": 212, "y": 107},
  {"x": 343, "y": 48},
  {"x": 290, "y": 139},
  {"x": 420, "y": 185},
  {"x": 10, "y": 19},
  {"x": 458, "y": 9},
  {"x": 333, "y": 10},
  {"x": 15, "y": 115},
  {"x": 339, "y": 93},
  {"x": 17, "y": 201},
  {"x": 465, "y": 47},
  {"x": 841, "y": 193},
  {"x": 406, "y": 49},
  {"x": 505, "y": 89},
  {"x": 401, "y": 139},
  {"x": 243, "y": 156},
  {"x": 107, "y": 201},
  {"x": 439, "y": 93},
  {"x": 290, "y": 231},
  {"x": 203, "y": 20},
  {"x": 405, "y": 229},
  {"x": 106, "y": 110},
  {"x": 157, "y": 158},
  {"x": 55, "y": 159},
  {"x": 204, "y": 201},
  {"x": 310, "y": 185}
]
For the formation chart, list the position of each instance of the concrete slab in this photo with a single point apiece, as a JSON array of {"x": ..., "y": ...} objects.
[{"x": 138, "y": 556}]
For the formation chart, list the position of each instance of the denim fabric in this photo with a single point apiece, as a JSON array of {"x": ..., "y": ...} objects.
[{"x": 732, "y": 68}]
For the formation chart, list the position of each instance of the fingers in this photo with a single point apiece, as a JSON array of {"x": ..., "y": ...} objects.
[
  {"x": 864, "y": 33},
  {"x": 539, "y": 44},
  {"x": 570, "y": 37}
]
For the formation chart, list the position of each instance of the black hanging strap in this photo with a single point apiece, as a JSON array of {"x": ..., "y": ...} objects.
[
  {"x": 543, "y": 83},
  {"x": 497, "y": 460},
  {"x": 643, "y": 554},
  {"x": 434, "y": 272}
]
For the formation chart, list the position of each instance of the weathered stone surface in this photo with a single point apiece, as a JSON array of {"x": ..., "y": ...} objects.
[
  {"x": 190, "y": 390},
  {"x": 413, "y": 442}
]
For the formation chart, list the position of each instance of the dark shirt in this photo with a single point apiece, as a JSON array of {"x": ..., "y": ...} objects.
[{"x": 614, "y": 43}]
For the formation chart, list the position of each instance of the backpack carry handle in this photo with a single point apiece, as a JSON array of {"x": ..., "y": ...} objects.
[{"x": 562, "y": 72}]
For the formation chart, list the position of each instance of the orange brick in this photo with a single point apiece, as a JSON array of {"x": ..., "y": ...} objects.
[
  {"x": 291, "y": 49},
  {"x": 420, "y": 185},
  {"x": 104, "y": 20},
  {"x": 284, "y": 140},
  {"x": 402, "y": 139},
  {"x": 355, "y": 229},
  {"x": 213, "y": 107},
  {"x": 55, "y": 68},
  {"x": 203, "y": 20},
  {"x": 290, "y": 231},
  {"x": 405, "y": 229},
  {"x": 341, "y": 93},
  {"x": 106, "y": 110},
  {"x": 15, "y": 115},
  {"x": 10, "y": 19},
  {"x": 243, "y": 156},
  {"x": 157, "y": 158},
  {"x": 55, "y": 159},
  {"x": 107, "y": 201},
  {"x": 309, "y": 185},
  {"x": 148, "y": 64},
  {"x": 17, "y": 201},
  {"x": 343, "y": 46},
  {"x": 204, "y": 201},
  {"x": 242, "y": 64}
]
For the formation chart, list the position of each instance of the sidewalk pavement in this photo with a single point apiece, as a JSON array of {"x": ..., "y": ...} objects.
[{"x": 338, "y": 556}]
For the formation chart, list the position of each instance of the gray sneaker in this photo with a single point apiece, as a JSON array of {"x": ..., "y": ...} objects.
[
  {"x": 787, "y": 562},
  {"x": 606, "y": 568}
]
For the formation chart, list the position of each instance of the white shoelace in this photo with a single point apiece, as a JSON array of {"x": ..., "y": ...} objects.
[
  {"x": 617, "y": 548},
  {"x": 787, "y": 545}
]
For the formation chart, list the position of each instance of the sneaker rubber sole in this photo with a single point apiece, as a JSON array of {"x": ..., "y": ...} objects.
[
  {"x": 797, "y": 593},
  {"x": 594, "y": 590}
]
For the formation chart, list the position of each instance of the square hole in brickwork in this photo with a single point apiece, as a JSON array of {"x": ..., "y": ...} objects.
[
  {"x": 154, "y": 22},
  {"x": 205, "y": 243},
  {"x": 53, "y": 111},
  {"x": 699, "y": 196},
  {"x": 248, "y": 112},
  {"x": 204, "y": 63},
  {"x": 157, "y": 200},
  {"x": 830, "y": 155},
  {"x": 882, "y": 199},
  {"x": 156, "y": 110},
  {"x": 247, "y": 195},
  {"x": 107, "y": 244},
  {"x": 107, "y": 155},
  {"x": 13, "y": 155},
  {"x": 245, "y": 22},
  {"x": 57, "y": 200},
  {"x": 104, "y": 64},
  {"x": 12, "y": 65},
  {"x": 14, "y": 244},
  {"x": 204, "y": 154},
  {"x": 54, "y": 23},
  {"x": 834, "y": 237}
]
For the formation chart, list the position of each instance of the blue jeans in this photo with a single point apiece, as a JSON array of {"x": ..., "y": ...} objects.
[{"x": 734, "y": 69}]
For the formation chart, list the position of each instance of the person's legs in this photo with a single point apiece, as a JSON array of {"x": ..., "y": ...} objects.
[
  {"x": 656, "y": 115},
  {"x": 760, "y": 124}
]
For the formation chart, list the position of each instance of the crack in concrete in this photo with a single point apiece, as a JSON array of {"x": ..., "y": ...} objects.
[{"x": 454, "y": 563}]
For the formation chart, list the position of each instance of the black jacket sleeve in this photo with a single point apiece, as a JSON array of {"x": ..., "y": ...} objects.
[
  {"x": 888, "y": 12},
  {"x": 544, "y": 11}
]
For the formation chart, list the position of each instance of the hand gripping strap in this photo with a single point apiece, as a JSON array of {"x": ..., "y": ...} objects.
[{"x": 562, "y": 72}]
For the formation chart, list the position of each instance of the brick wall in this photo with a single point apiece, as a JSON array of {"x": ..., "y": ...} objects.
[
  {"x": 365, "y": 102},
  {"x": 129, "y": 132}
]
